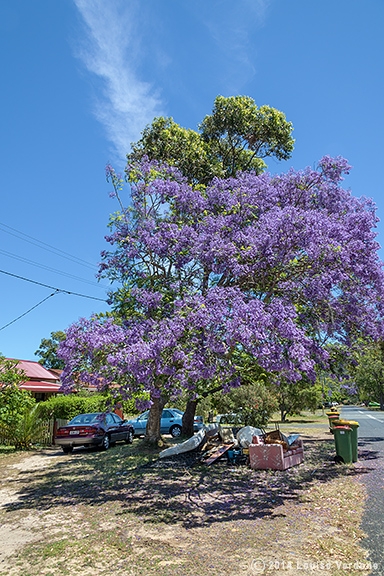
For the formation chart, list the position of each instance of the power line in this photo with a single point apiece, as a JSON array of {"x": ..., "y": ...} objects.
[
  {"x": 22, "y": 259},
  {"x": 51, "y": 287},
  {"x": 45, "y": 246},
  {"x": 28, "y": 311}
]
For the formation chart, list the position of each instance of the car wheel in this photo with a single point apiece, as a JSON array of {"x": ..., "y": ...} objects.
[
  {"x": 106, "y": 442},
  {"x": 175, "y": 431},
  {"x": 129, "y": 438},
  {"x": 67, "y": 449}
]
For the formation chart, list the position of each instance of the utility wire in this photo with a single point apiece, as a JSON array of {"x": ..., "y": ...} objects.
[
  {"x": 22, "y": 259},
  {"x": 51, "y": 287},
  {"x": 28, "y": 311},
  {"x": 45, "y": 246}
]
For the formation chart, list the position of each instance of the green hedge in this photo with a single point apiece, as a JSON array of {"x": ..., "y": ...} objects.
[{"x": 67, "y": 407}]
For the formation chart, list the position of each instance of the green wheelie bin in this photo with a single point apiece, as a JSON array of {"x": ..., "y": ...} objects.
[
  {"x": 343, "y": 444},
  {"x": 354, "y": 441}
]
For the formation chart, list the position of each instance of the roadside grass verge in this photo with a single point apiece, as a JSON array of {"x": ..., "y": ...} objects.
[
  {"x": 305, "y": 417},
  {"x": 126, "y": 512}
]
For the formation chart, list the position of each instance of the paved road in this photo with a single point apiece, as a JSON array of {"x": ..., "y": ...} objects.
[{"x": 371, "y": 459}]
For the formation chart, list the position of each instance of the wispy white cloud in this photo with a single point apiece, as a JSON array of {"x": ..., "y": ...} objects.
[
  {"x": 232, "y": 26},
  {"x": 110, "y": 49}
]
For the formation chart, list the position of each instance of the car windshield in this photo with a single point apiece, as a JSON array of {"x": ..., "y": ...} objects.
[{"x": 86, "y": 418}]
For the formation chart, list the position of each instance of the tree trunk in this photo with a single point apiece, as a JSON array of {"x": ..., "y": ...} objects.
[
  {"x": 188, "y": 418},
  {"x": 152, "y": 431},
  {"x": 381, "y": 401},
  {"x": 283, "y": 413}
]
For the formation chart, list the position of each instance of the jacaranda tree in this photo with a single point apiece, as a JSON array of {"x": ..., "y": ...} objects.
[
  {"x": 237, "y": 136},
  {"x": 273, "y": 267}
]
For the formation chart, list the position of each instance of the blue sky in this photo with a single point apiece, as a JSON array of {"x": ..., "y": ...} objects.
[{"x": 82, "y": 78}]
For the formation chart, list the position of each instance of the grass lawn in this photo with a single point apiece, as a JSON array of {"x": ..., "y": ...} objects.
[{"x": 125, "y": 512}]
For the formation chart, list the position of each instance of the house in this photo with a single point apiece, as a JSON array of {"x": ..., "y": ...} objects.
[{"x": 41, "y": 382}]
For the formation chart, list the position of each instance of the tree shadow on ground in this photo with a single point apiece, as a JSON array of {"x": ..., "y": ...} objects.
[
  {"x": 175, "y": 491},
  {"x": 370, "y": 439},
  {"x": 365, "y": 452}
]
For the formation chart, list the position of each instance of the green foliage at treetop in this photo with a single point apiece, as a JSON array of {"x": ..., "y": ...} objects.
[
  {"x": 235, "y": 137},
  {"x": 240, "y": 134}
]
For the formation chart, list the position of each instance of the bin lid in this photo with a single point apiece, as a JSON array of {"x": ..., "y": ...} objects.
[
  {"x": 350, "y": 423},
  {"x": 342, "y": 427}
]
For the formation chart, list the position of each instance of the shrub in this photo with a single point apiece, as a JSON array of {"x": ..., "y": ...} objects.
[
  {"x": 24, "y": 430},
  {"x": 20, "y": 423},
  {"x": 253, "y": 404},
  {"x": 67, "y": 407}
]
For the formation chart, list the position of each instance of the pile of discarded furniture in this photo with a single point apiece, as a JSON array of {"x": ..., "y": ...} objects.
[
  {"x": 275, "y": 451},
  {"x": 261, "y": 450}
]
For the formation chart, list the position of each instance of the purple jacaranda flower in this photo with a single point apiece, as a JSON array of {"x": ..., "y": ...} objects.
[{"x": 273, "y": 267}]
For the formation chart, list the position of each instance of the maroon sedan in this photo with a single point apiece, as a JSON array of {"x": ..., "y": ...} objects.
[{"x": 96, "y": 429}]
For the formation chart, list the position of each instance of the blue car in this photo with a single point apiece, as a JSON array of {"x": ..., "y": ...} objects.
[{"x": 170, "y": 423}]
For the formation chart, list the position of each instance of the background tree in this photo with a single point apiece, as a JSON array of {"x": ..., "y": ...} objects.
[
  {"x": 250, "y": 404},
  {"x": 293, "y": 398},
  {"x": 235, "y": 137},
  {"x": 271, "y": 266},
  {"x": 337, "y": 381},
  {"x": 252, "y": 398},
  {"x": 47, "y": 351},
  {"x": 369, "y": 375}
]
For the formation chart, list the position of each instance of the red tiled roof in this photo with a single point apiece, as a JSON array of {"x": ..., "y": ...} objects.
[{"x": 35, "y": 371}]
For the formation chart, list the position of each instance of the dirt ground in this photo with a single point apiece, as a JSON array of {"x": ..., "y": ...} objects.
[{"x": 102, "y": 513}]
